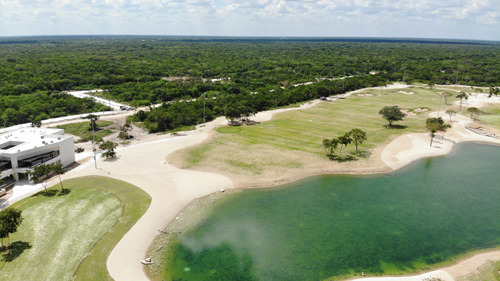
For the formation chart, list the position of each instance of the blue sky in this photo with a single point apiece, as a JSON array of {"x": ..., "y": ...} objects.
[{"x": 458, "y": 19}]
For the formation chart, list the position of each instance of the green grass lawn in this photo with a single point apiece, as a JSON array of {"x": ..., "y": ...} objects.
[
  {"x": 491, "y": 116},
  {"x": 66, "y": 235},
  {"x": 293, "y": 138},
  {"x": 81, "y": 129}
]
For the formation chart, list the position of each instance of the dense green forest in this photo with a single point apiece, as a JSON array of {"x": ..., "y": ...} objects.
[{"x": 235, "y": 76}]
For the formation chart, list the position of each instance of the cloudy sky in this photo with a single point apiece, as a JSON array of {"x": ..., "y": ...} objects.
[{"x": 457, "y": 19}]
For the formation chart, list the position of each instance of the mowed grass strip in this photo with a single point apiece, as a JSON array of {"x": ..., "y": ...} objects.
[
  {"x": 69, "y": 236},
  {"x": 293, "y": 139}
]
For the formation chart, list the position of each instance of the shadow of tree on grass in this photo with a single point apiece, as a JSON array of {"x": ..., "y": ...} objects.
[
  {"x": 343, "y": 158},
  {"x": 15, "y": 250},
  {"x": 47, "y": 193},
  {"x": 395, "y": 126},
  {"x": 349, "y": 157},
  {"x": 53, "y": 192},
  {"x": 64, "y": 192}
]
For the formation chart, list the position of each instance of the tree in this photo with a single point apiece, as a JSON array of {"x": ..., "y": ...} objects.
[
  {"x": 473, "y": 112},
  {"x": 36, "y": 123},
  {"x": 232, "y": 114},
  {"x": 462, "y": 96},
  {"x": 39, "y": 173},
  {"x": 124, "y": 130},
  {"x": 93, "y": 122},
  {"x": 451, "y": 112},
  {"x": 10, "y": 219},
  {"x": 109, "y": 146},
  {"x": 344, "y": 140},
  {"x": 493, "y": 91},
  {"x": 435, "y": 124},
  {"x": 391, "y": 114},
  {"x": 246, "y": 111},
  {"x": 357, "y": 136},
  {"x": 330, "y": 145},
  {"x": 58, "y": 169}
]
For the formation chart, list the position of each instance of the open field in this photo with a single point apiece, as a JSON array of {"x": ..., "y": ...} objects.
[
  {"x": 291, "y": 143},
  {"x": 81, "y": 129},
  {"x": 67, "y": 234}
]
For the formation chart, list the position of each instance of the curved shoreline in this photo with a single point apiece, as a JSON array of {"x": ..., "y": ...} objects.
[{"x": 173, "y": 189}]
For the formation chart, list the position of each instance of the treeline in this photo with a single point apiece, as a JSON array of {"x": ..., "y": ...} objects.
[
  {"x": 145, "y": 70},
  {"x": 238, "y": 105},
  {"x": 28, "y": 108}
]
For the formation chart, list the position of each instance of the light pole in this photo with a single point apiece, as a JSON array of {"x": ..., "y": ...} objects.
[
  {"x": 93, "y": 141},
  {"x": 204, "y": 116},
  {"x": 439, "y": 106}
]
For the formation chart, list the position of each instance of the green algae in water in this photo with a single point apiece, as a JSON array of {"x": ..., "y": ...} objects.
[{"x": 328, "y": 226}]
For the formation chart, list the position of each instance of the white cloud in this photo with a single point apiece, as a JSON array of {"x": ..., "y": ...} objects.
[{"x": 474, "y": 19}]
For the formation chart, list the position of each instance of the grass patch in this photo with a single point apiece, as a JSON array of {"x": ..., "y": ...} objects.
[
  {"x": 183, "y": 129},
  {"x": 81, "y": 129},
  {"x": 294, "y": 138},
  {"x": 229, "y": 130},
  {"x": 488, "y": 271},
  {"x": 70, "y": 235},
  {"x": 491, "y": 116}
]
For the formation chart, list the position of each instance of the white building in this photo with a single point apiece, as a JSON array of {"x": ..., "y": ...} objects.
[{"x": 25, "y": 148}]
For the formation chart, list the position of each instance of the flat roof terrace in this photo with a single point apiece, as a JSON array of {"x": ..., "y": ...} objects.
[{"x": 29, "y": 138}]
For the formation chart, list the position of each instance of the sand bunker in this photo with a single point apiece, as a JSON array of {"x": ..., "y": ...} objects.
[
  {"x": 414, "y": 111},
  {"x": 406, "y": 93}
]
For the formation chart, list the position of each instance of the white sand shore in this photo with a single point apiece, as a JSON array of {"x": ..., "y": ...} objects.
[{"x": 171, "y": 189}]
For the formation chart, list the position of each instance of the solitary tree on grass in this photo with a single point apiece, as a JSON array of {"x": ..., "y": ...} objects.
[
  {"x": 10, "y": 219},
  {"x": 391, "y": 114}
]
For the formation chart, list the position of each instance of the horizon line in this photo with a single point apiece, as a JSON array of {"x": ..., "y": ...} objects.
[{"x": 275, "y": 37}]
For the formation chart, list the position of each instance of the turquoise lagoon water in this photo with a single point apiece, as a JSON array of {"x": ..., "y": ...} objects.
[{"x": 335, "y": 225}]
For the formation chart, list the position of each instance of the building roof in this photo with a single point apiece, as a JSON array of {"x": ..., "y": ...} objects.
[{"x": 28, "y": 138}]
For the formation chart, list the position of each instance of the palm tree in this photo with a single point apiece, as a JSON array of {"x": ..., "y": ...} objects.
[
  {"x": 435, "y": 124},
  {"x": 57, "y": 168},
  {"x": 451, "y": 112},
  {"x": 462, "y": 96}
]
